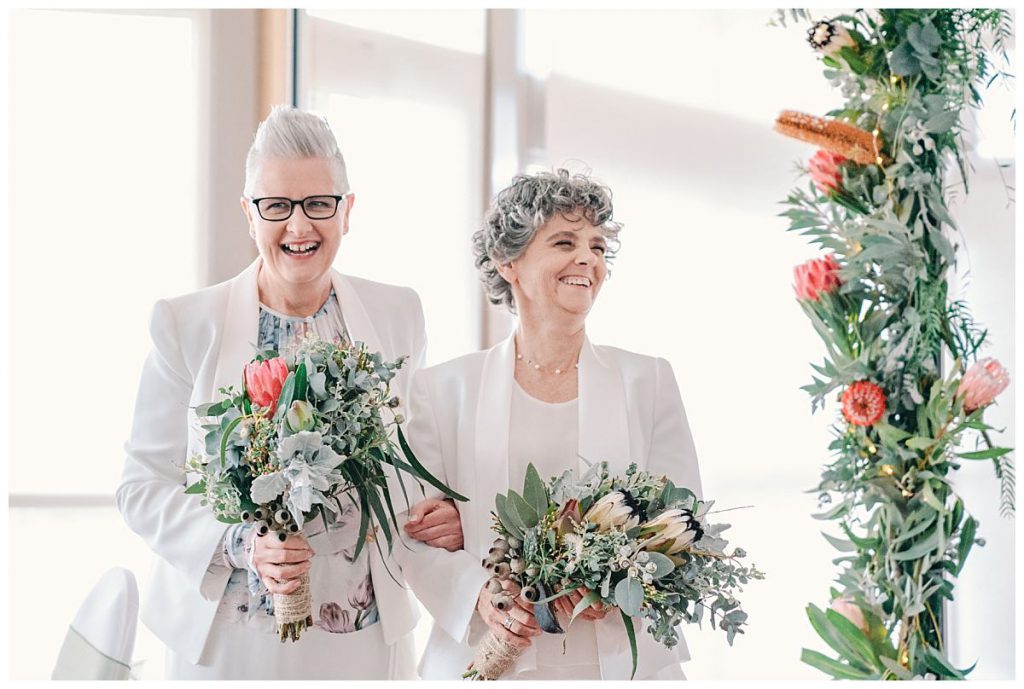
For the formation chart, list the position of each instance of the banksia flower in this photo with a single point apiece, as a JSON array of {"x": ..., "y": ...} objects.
[
  {"x": 982, "y": 384},
  {"x": 832, "y": 135},
  {"x": 863, "y": 403}
]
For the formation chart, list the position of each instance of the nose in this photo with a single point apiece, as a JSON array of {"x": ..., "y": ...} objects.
[
  {"x": 584, "y": 256},
  {"x": 299, "y": 224}
]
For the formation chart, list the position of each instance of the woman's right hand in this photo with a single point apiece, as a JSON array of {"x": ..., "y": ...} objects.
[
  {"x": 281, "y": 563},
  {"x": 523, "y": 626}
]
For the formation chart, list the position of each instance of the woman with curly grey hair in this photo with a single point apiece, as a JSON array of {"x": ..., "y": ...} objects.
[{"x": 545, "y": 395}]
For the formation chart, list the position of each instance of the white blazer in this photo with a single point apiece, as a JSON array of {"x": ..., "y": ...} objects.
[
  {"x": 201, "y": 341},
  {"x": 630, "y": 411}
]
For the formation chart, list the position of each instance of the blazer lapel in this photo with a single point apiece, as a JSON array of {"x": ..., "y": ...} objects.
[
  {"x": 604, "y": 424},
  {"x": 241, "y": 330},
  {"x": 487, "y": 469},
  {"x": 357, "y": 317}
]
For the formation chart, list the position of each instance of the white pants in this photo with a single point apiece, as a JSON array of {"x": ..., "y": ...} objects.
[{"x": 234, "y": 651}]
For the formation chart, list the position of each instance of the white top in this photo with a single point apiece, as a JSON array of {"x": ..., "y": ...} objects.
[{"x": 547, "y": 434}]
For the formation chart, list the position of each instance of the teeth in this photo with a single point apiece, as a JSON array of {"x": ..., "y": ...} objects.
[
  {"x": 576, "y": 280},
  {"x": 301, "y": 248}
]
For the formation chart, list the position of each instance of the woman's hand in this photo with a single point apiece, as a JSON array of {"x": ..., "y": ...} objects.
[
  {"x": 566, "y": 604},
  {"x": 522, "y": 626},
  {"x": 435, "y": 522},
  {"x": 281, "y": 563}
]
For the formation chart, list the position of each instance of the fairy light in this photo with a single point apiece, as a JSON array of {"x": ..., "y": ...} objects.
[{"x": 888, "y": 469}]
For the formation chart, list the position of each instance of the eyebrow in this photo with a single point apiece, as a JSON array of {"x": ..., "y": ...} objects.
[{"x": 570, "y": 234}]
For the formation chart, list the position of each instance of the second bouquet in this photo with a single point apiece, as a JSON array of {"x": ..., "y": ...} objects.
[
  {"x": 307, "y": 431},
  {"x": 635, "y": 542}
]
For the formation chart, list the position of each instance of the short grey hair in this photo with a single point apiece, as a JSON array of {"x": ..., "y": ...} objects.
[
  {"x": 522, "y": 208},
  {"x": 292, "y": 133}
]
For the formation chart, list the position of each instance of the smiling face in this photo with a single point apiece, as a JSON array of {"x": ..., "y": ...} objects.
[
  {"x": 562, "y": 269},
  {"x": 298, "y": 252}
]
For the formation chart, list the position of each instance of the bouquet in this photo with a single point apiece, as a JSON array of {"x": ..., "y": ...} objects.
[
  {"x": 306, "y": 431},
  {"x": 637, "y": 542}
]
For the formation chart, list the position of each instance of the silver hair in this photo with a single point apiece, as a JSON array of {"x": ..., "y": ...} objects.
[
  {"x": 292, "y": 133},
  {"x": 522, "y": 208}
]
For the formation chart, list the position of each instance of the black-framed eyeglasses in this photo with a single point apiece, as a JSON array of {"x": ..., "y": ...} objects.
[{"x": 276, "y": 208}]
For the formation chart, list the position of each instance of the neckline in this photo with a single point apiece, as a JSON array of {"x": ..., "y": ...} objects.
[
  {"x": 319, "y": 312},
  {"x": 533, "y": 399}
]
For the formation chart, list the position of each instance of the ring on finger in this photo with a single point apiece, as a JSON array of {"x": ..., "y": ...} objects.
[{"x": 507, "y": 624}]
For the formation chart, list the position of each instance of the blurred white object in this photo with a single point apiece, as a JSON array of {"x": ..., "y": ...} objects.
[{"x": 101, "y": 639}]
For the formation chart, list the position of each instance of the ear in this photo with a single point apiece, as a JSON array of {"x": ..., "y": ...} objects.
[
  {"x": 350, "y": 201},
  {"x": 247, "y": 211},
  {"x": 507, "y": 271}
]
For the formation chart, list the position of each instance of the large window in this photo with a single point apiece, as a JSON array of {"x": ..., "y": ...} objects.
[
  {"x": 104, "y": 220},
  {"x": 404, "y": 94}
]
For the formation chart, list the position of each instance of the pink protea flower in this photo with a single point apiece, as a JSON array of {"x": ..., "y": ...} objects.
[
  {"x": 863, "y": 403},
  {"x": 816, "y": 277},
  {"x": 982, "y": 383},
  {"x": 848, "y": 609},
  {"x": 264, "y": 380},
  {"x": 824, "y": 169}
]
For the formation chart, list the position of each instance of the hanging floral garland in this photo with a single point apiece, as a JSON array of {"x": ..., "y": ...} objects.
[{"x": 876, "y": 205}]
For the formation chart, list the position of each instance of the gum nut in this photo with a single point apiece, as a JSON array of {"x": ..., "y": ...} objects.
[
  {"x": 259, "y": 513},
  {"x": 494, "y": 585},
  {"x": 293, "y": 528},
  {"x": 529, "y": 594},
  {"x": 282, "y": 536},
  {"x": 648, "y": 578},
  {"x": 246, "y": 516},
  {"x": 502, "y": 569},
  {"x": 262, "y": 528},
  {"x": 514, "y": 543},
  {"x": 499, "y": 542},
  {"x": 518, "y": 566},
  {"x": 497, "y": 553},
  {"x": 503, "y": 602},
  {"x": 282, "y": 516},
  {"x": 399, "y": 418},
  {"x": 532, "y": 571}
]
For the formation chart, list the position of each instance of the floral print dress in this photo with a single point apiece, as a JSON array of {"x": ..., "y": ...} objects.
[{"x": 341, "y": 586}]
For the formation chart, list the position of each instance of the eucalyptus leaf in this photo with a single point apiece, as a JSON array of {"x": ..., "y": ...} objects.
[{"x": 629, "y": 596}]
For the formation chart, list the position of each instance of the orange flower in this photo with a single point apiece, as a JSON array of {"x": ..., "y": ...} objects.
[{"x": 863, "y": 403}]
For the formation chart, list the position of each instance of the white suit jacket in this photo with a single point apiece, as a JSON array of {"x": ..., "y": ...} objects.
[
  {"x": 201, "y": 341},
  {"x": 629, "y": 411}
]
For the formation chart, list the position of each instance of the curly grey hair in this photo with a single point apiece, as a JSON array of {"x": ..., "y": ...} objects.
[
  {"x": 292, "y": 133},
  {"x": 522, "y": 208}
]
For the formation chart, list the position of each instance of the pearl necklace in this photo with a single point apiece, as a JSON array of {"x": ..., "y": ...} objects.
[{"x": 536, "y": 366}]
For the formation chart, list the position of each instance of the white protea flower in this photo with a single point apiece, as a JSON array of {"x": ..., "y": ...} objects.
[
  {"x": 616, "y": 510},
  {"x": 671, "y": 532},
  {"x": 829, "y": 37}
]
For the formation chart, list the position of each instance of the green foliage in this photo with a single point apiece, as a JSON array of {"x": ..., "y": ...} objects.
[{"x": 909, "y": 77}]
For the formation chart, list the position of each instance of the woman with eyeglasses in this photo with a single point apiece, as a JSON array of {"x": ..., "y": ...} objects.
[
  {"x": 549, "y": 396},
  {"x": 210, "y": 599}
]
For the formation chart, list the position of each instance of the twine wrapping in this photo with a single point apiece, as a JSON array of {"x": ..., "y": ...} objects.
[
  {"x": 493, "y": 658},
  {"x": 832, "y": 135},
  {"x": 294, "y": 611}
]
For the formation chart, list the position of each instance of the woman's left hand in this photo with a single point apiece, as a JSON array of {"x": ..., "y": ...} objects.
[
  {"x": 566, "y": 604},
  {"x": 436, "y": 522}
]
